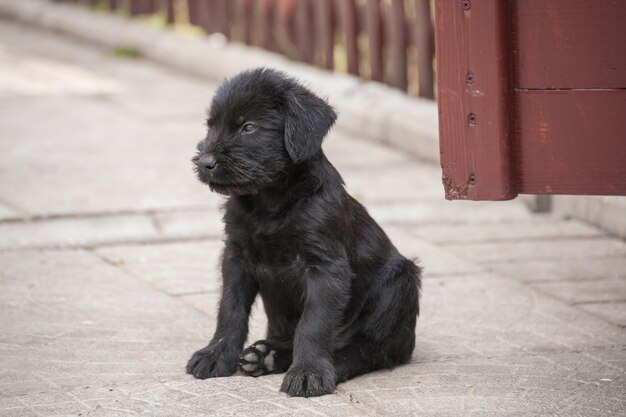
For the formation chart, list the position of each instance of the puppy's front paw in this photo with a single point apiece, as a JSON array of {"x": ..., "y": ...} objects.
[
  {"x": 309, "y": 380},
  {"x": 213, "y": 361}
]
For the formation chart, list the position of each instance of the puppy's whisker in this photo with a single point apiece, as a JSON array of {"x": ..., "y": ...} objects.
[
  {"x": 247, "y": 174},
  {"x": 241, "y": 174}
]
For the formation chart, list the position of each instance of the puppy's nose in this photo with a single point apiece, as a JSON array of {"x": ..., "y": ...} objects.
[{"x": 207, "y": 161}]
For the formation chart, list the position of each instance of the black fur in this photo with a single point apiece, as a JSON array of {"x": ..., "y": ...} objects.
[{"x": 340, "y": 299}]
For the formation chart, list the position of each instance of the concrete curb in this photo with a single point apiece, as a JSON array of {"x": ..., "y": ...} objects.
[
  {"x": 366, "y": 109},
  {"x": 605, "y": 211}
]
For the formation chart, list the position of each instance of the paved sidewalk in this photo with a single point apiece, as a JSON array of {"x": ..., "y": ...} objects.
[{"x": 109, "y": 251}]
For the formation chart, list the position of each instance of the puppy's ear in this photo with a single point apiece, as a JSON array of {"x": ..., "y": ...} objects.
[{"x": 308, "y": 119}]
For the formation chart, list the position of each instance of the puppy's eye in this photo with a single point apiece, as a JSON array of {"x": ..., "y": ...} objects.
[{"x": 248, "y": 128}]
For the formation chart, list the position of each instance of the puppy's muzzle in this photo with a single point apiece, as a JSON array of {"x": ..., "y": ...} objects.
[{"x": 207, "y": 162}]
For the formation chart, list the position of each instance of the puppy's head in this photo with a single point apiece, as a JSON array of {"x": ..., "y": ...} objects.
[{"x": 260, "y": 124}]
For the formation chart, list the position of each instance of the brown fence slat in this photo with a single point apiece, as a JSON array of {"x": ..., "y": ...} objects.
[
  {"x": 210, "y": 19},
  {"x": 473, "y": 74},
  {"x": 169, "y": 11},
  {"x": 138, "y": 7},
  {"x": 199, "y": 14},
  {"x": 246, "y": 11},
  {"x": 285, "y": 29},
  {"x": 265, "y": 24},
  {"x": 135, "y": 7},
  {"x": 210, "y": 22},
  {"x": 304, "y": 31},
  {"x": 425, "y": 48},
  {"x": 192, "y": 6},
  {"x": 397, "y": 45},
  {"x": 222, "y": 17},
  {"x": 349, "y": 27},
  {"x": 374, "y": 32},
  {"x": 324, "y": 32}
]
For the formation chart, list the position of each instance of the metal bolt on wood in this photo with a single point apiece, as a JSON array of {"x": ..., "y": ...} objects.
[
  {"x": 467, "y": 4},
  {"x": 471, "y": 120}
]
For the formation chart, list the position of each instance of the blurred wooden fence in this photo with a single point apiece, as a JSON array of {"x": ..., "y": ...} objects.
[{"x": 389, "y": 41}]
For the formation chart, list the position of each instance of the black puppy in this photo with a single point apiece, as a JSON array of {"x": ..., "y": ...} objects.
[{"x": 339, "y": 297}]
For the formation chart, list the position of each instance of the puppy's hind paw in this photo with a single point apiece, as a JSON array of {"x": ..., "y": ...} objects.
[{"x": 257, "y": 359}]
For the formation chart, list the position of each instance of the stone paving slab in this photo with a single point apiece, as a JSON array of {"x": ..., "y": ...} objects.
[
  {"x": 370, "y": 156},
  {"x": 564, "y": 269},
  {"x": 75, "y": 232},
  {"x": 486, "y": 315},
  {"x": 536, "y": 228},
  {"x": 65, "y": 310},
  {"x": 445, "y": 212},
  {"x": 612, "y": 312},
  {"x": 544, "y": 384},
  {"x": 522, "y": 251},
  {"x": 190, "y": 223},
  {"x": 207, "y": 303},
  {"x": 101, "y": 230},
  {"x": 174, "y": 268},
  {"x": 105, "y": 160},
  {"x": 371, "y": 185},
  {"x": 596, "y": 291},
  {"x": 434, "y": 260},
  {"x": 90, "y": 230},
  {"x": 7, "y": 213}
]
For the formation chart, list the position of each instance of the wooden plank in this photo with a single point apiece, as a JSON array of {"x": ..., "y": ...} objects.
[
  {"x": 571, "y": 142},
  {"x": 325, "y": 33},
  {"x": 350, "y": 30},
  {"x": 170, "y": 15},
  {"x": 425, "y": 48},
  {"x": 374, "y": 33},
  {"x": 397, "y": 45},
  {"x": 200, "y": 15},
  {"x": 570, "y": 43},
  {"x": 138, "y": 7},
  {"x": 474, "y": 97},
  {"x": 265, "y": 24},
  {"x": 221, "y": 17},
  {"x": 192, "y": 10},
  {"x": 304, "y": 31},
  {"x": 285, "y": 31},
  {"x": 246, "y": 9}
]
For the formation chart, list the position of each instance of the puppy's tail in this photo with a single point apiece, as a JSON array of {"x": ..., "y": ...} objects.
[{"x": 395, "y": 302}]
